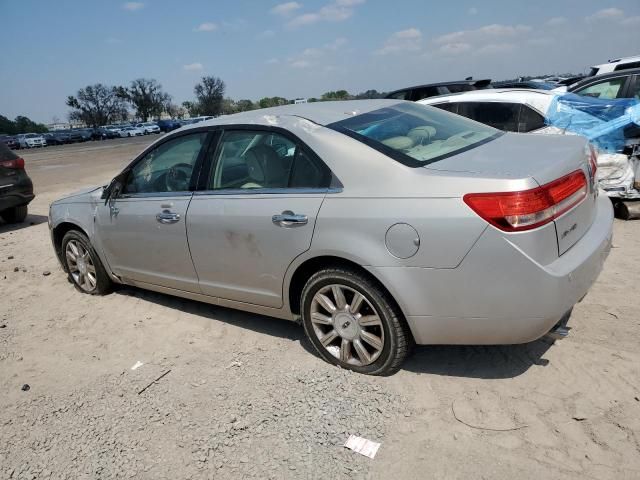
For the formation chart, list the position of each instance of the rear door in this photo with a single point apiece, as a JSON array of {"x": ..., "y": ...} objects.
[
  {"x": 143, "y": 230},
  {"x": 255, "y": 215}
]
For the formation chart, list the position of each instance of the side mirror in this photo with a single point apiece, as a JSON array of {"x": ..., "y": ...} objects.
[{"x": 114, "y": 188}]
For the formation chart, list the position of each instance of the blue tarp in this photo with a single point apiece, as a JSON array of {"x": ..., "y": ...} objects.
[{"x": 602, "y": 121}]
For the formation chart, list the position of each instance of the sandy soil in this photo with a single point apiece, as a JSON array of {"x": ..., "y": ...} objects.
[{"x": 246, "y": 398}]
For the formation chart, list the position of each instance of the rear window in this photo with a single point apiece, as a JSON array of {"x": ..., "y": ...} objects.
[{"x": 415, "y": 134}]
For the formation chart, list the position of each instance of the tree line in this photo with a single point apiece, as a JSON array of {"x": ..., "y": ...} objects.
[
  {"x": 100, "y": 104},
  {"x": 19, "y": 125}
]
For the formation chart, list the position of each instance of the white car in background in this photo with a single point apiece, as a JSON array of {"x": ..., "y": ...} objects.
[
  {"x": 615, "y": 65},
  {"x": 31, "y": 140},
  {"x": 148, "y": 127},
  {"x": 524, "y": 111},
  {"x": 131, "y": 132},
  {"x": 507, "y": 109}
]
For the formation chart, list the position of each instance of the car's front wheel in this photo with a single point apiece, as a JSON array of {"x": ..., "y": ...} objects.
[
  {"x": 354, "y": 323},
  {"x": 83, "y": 265},
  {"x": 15, "y": 214}
]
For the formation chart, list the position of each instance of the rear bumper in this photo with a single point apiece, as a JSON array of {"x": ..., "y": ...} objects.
[
  {"x": 499, "y": 295},
  {"x": 14, "y": 199}
]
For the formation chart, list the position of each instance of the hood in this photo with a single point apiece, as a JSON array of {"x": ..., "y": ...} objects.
[
  {"x": 520, "y": 155},
  {"x": 86, "y": 195}
]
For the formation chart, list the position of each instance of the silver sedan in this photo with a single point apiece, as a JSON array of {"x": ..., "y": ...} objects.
[{"x": 378, "y": 223}]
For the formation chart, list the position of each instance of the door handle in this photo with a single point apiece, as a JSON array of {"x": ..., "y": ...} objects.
[
  {"x": 289, "y": 219},
  {"x": 168, "y": 217}
]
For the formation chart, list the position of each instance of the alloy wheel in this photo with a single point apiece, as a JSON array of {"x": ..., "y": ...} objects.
[
  {"x": 347, "y": 325},
  {"x": 81, "y": 266}
]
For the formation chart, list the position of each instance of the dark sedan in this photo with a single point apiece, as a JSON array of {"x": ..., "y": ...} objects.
[
  {"x": 10, "y": 142},
  {"x": 16, "y": 189}
]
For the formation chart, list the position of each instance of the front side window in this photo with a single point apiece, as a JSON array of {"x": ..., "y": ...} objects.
[
  {"x": 415, "y": 134},
  {"x": 608, "y": 89},
  {"x": 168, "y": 167},
  {"x": 264, "y": 160}
]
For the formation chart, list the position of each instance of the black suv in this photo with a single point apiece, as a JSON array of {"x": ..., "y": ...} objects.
[
  {"x": 433, "y": 89},
  {"x": 16, "y": 189}
]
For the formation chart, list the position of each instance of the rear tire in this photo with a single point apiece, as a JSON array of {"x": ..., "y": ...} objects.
[
  {"x": 354, "y": 323},
  {"x": 15, "y": 214},
  {"x": 83, "y": 266}
]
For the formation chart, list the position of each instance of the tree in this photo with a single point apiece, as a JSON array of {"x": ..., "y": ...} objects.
[
  {"x": 146, "y": 96},
  {"x": 245, "y": 105},
  {"x": 370, "y": 94},
  {"x": 191, "y": 108},
  {"x": 97, "y": 105},
  {"x": 209, "y": 95},
  {"x": 337, "y": 95},
  {"x": 267, "y": 102}
]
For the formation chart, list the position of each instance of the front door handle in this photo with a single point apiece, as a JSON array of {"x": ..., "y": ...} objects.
[
  {"x": 168, "y": 217},
  {"x": 289, "y": 219}
]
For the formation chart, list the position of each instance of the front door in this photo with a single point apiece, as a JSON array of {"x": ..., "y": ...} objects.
[
  {"x": 256, "y": 216},
  {"x": 143, "y": 230}
]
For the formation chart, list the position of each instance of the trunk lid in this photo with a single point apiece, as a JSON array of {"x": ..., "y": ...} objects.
[{"x": 544, "y": 158}]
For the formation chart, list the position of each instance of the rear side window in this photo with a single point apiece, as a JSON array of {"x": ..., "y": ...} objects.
[
  {"x": 500, "y": 115},
  {"x": 449, "y": 107},
  {"x": 627, "y": 66},
  {"x": 248, "y": 159},
  {"x": 530, "y": 120}
]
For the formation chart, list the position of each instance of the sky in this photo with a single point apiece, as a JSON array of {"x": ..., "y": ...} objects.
[{"x": 295, "y": 48}]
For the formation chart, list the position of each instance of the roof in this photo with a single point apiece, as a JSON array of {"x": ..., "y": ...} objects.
[
  {"x": 538, "y": 99},
  {"x": 617, "y": 73},
  {"x": 322, "y": 113},
  {"x": 633, "y": 58},
  {"x": 481, "y": 82}
]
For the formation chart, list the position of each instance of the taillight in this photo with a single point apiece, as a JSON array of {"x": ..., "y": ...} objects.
[
  {"x": 517, "y": 211},
  {"x": 16, "y": 164}
]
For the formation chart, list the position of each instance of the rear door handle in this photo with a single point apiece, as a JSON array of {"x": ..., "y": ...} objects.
[
  {"x": 289, "y": 219},
  {"x": 168, "y": 217}
]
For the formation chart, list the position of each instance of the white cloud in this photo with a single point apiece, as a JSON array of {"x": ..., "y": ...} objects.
[
  {"x": 113, "y": 41},
  {"x": 313, "y": 57},
  {"x": 267, "y": 34},
  {"x": 482, "y": 34},
  {"x": 336, "y": 11},
  {"x": 286, "y": 9},
  {"x": 630, "y": 21},
  {"x": 605, "y": 14},
  {"x": 193, "y": 67},
  {"x": 472, "y": 11},
  {"x": 409, "y": 40},
  {"x": 301, "y": 63},
  {"x": 206, "y": 27},
  {"x": 455, "y": 48},
  {"x": 272, "y": 61},
  {"x": 556, "y": 21},
  {"x": 132, "y": 6}
]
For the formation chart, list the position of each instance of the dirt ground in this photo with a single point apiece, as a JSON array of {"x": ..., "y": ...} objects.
[{"x": 245, "y": 398}]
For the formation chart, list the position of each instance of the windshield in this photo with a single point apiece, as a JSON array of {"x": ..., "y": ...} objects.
[{"x": 414, "y": 134}]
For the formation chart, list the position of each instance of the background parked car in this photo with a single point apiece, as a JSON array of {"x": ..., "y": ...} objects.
[
  {"x": 10, "y": 142},
  {"x": 148, "y": 127},
  {"x": 102, "y": 133},
  {"x": 130, "y": 132},
  {"x": 31, "y": 140},
  {"x": 16, "y": 189},
  {"x": 56, "y": 138},
  {"x": 615, "y": 65},
  {"x": 432, "y": 89},
  {"x": 619, "y": 84},
  {"x": 168, "y": 125},
  {"x": 75, "y": 136},
  {"x": 528, "y": 84}
]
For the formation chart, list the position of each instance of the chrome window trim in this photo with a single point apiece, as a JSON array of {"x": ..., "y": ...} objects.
[
  {"x": 154, "y": 195},
  {"x": 267, "y": 191}
]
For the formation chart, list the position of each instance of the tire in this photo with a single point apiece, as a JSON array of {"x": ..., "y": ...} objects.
[
  {"x": 93, "y": 281},
  {"x": 348, "y": 344},
  {"x": 15, "y": 214}
]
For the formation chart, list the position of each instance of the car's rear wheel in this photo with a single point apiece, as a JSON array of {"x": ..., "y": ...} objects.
[
  {"x": 15, "y": 214},
  {"x": 83, "y": 265},
  {"x": 352, "y": 322}
]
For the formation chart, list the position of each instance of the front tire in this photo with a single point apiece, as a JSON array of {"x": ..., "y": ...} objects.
[
  {"x": 352, "y": 322},
  {"x": 83, "y": 265},
  {"x": 15, "y": 214}
]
